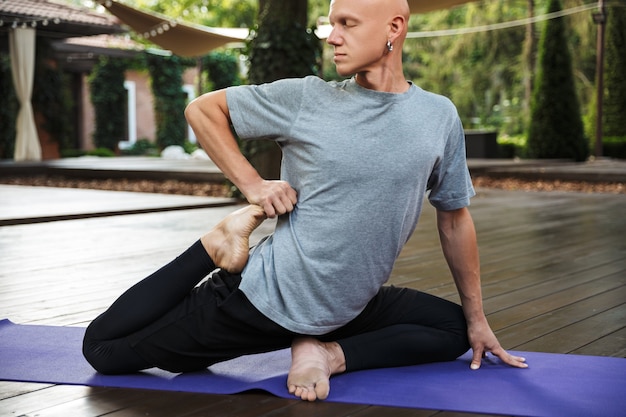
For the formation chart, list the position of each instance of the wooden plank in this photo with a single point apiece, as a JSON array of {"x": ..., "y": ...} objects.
[
  {"x": 553, "y": 274},
  {"x": 37, "y": 400},
  {"x": 516, "y": 334},
  {"x": 577, "y": 335},
  {"x": 560, "y": 294},
  {"x": 10, "y": 389},
  {"x": 23, "y": 205},
  {"x": 613, "y": 344}
]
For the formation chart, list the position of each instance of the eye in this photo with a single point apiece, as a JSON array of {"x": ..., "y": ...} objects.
[{"x": 348, "y": 23}]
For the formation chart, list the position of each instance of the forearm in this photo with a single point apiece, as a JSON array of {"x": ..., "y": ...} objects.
[
  {"x": 458, "y": 241},
  {"x": 208, "y": 116},
  {"x": 460, "y": 248}
]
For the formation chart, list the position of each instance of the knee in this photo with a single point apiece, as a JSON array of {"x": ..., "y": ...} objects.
[
  {"x": 457, "y": 338},
  {"x": 462, "y": 339},
  {"x": 97, "y": 355},
  {"x": 107, "y": 357}
]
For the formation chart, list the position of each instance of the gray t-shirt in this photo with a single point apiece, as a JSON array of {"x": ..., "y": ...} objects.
[{"x": 361, "y": 162}]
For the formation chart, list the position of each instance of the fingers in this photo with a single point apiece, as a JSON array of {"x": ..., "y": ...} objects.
[
  {"x": 516, "y": 361},
  {"x": 277, "y": 198},
  {"x": 503, "y": 355},
  {"x": 476, "y": 359}
]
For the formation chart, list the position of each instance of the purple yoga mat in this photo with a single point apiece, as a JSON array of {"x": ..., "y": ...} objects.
[{"x": 553, "y": 385}]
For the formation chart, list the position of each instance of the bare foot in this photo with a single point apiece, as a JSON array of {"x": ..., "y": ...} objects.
[
  {"x": 228, "y": 243},
  {"x": 312, "y": 364}
]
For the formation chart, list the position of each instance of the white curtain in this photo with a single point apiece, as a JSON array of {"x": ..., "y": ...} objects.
[{"x": 22, "y": 49}]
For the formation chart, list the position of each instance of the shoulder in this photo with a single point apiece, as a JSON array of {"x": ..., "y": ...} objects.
[
  {"x": 438, "y": 101},
  {"x": 286, "y": 88}
]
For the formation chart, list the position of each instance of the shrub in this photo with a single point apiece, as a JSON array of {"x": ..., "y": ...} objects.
[
  {"x": 614, "y": 147},
  {"x": 556, "y": 128},
  {"x": 142, "y": 147}
]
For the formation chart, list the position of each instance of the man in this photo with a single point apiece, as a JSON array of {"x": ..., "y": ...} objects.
[{"x": 358, "y": 159}]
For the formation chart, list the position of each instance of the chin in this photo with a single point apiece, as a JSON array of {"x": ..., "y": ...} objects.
[{"x": 344, "y": 72}]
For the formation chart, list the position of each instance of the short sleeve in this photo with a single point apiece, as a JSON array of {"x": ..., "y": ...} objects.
[
  {"x": 450, "y": 183},
  {"x": 265, "y": 111}
]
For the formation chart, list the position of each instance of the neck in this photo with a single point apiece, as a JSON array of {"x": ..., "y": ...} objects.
[
  {"x": 388, "y": 79},
  {"x": 383, "y": 84}
]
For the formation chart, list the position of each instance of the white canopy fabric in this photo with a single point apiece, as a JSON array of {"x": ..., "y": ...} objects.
[
  {"x": 186, "y": 39},
  {"x": 22, "y": 51}
]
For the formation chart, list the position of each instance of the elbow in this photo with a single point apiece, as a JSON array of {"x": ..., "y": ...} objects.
[
  {"x": 209, "y": 107},
  {"x": 191, "y": 111},
  {"x": 448, "y": 222}
]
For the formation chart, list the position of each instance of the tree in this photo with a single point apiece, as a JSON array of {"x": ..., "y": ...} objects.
[
  {"x": 529, "y": 57},
  {"x": 281, "y": 47},
  {"x": 556, "y": 128},
  {"x": 614, "y": 105}
]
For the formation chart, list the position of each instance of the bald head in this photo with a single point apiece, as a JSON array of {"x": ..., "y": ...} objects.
[
  {"x": 367, "y": 37},
  {"x": 382, "y": 11},
  {"x": 383, "y": 7}
]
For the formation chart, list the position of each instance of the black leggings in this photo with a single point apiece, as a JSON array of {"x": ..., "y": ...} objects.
[{"x": 169, "y": 321}]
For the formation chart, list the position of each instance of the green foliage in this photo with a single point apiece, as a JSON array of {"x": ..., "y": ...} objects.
[
  {"x": 189, "y": 147},
  {"x": 556, "y": 129},
  {"x": 142, "y": 147},
  {"x": 169, "y": 99},
  {"x": 52, "y": 97},
  {"x": 104, "y": 152},
  {"x": 108, "y": 96},
  {"x": 217, "y": 13},
  {"x": 614, "y": 105},
  {"x": 8, "y": 109},
  {"x": 223, "y": 69},
  {"x": 75, "y": 153},
  {"x": 511, "y": 146},
  {"x": 480, "y": 72},
  {"x": 615, "y": 146}
]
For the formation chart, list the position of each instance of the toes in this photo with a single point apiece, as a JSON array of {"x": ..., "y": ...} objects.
[
  {"x": 322, "y": 390},
  {"x": 319, "y": 392},
  {"x": 305, "y": 393}
]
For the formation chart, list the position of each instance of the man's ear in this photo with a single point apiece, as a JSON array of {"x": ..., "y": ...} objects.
[{"x": 396, "y": 27}]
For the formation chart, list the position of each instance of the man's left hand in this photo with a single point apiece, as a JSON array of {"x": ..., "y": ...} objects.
[{"x": 483, "y": 341}]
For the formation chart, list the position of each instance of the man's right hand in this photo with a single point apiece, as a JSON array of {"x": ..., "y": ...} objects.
[{"x": 274, "y": 196}]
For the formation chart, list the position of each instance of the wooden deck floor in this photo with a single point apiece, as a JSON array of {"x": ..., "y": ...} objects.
[{"x": 554, "y": 269}]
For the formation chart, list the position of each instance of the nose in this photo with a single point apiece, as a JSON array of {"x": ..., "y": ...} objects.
[{"x": 333, "y": 37}]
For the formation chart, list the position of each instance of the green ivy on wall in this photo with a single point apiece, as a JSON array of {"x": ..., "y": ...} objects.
[
  {"x": 52, "y": 96},
  {"x": 8, "y": 109},
  {"x": 222, "y": 68},
  {"x": 110, "y": 102},
  {"x": 169, "y": 99}
]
